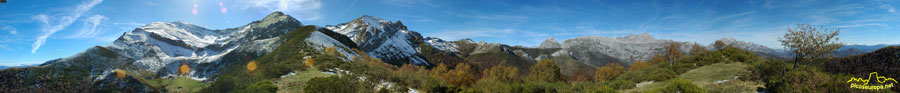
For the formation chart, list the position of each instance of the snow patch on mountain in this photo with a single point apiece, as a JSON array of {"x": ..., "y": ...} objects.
[
  {"x": 442, "y": 45},
  {"x": 320, "y": 41},
  {"x": 386, "y": 40},
  {"x": 167, "y": 45}
]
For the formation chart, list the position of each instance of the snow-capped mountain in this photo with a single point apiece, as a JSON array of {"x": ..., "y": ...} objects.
[
  {"x": 442, "y": 45},
  {"x": 389, "y": 41},
  {"x": 169, "y": 44}
]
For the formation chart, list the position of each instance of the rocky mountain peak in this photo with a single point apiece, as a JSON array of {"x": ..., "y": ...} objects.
[
  {"x": 389, "y": 41},
  {"x": 641, "y": 37},
  {"x": 276, "y": 17},
  {"x": 550, "y": 43}
]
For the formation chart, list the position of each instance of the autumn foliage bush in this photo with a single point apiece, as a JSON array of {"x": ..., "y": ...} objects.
[
  {"x": 545, "y": 70},
  {"x": 608, "y": 72}
]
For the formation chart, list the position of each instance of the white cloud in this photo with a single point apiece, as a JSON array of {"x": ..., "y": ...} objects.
[
  {"x": 301, "y": 9},
  {"x": 888, "y": 7},
  {"x": 59, "y": 22},
  {"x": 12, "y": 30},
  {"x": 89, "y": 28}
]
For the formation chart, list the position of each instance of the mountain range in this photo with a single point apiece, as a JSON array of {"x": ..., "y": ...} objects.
[{"x": 161, "y": 49}]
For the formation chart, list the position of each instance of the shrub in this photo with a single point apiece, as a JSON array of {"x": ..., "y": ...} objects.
[
  {"x": 331, "y": 51},
  {"x": 608, "y": 72},
  {"x": 461, "y": 75},
  {"x": 491, "y": 86},
  {"x": 620, "y": 84},
  {"x": 767, "y": 70},
  {"x": 679, "y": 86},
  {"x": 638, "y": 65},
  {"x": 540, "y": 86},
  {"x": 504, "y": 74},
  {"x": 309, "y": 62},
  {"x": 264, "y": 86},
  {"x": 334, "y": 84},
  {"x": 649, "y": 74},
  {"x": 697, "y": 49},
  {"x": 545, "y": 70},
  {"x": 590, "y": 87}
]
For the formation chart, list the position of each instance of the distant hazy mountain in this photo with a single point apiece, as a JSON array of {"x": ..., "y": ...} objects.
[
  {"x": 597, "y": 51},
  {"x": 755, "y": 48},
  {"x": 848, "y": 50}
]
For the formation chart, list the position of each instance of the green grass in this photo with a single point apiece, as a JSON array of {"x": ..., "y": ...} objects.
[
  {"x": 715, "y": 72},
  {"x": 293, "y": 84},
  {"x": 186, "y": 84},
  {"x": 707, "y": 76},
  {"x": 644, "y": 86}
]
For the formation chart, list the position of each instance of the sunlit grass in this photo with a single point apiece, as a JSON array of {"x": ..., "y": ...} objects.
[
  {"x": 295, "y": 83},
  {"x": 182, "y": 84}
]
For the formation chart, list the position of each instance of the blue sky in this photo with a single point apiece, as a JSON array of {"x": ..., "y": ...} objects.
[{"x": 33, "y": 31}]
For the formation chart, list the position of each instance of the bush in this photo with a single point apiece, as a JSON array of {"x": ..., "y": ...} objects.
[
  {"x": 767, "y": 70},
  {"x": 620, "y": 84},
  {"x": 540, "y": 86},
  {"x": 649, "y": 74},
  {"x": 608, "y": 72},
  {"x": 545, "y": 70},
  {"x": 638, "y": 65},
  {"x": 331, "y": 51},
  {"x": 591, "y": 87},
  {"x": 492, "y": 86},
  {"x": 264, "y": 86},
  {"x": 504, "y": 74},
  {"x": 679, "y": 86},
  {"x": 334, "y": 84}
]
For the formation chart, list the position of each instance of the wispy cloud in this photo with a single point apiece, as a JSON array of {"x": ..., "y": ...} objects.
[
  {"x": 302, "y": 9},
  {"x": 12, "y": 30},
  {"x": 89, "y": 27},
  {"x": 59, "y": 23},
  {"x": 456, "y": 34},
  {"x": 410, "y": 3},
  {"x": 858, "y": 25},
  {"x": 888, "y": 7},
  {"x": 497, "y": 17}
]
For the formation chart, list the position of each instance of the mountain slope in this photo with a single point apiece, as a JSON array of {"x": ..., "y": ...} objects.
[
  {"x": 158, "y": 46},
  {"x": 549, "y": 43},
  {"x": 755, "y": 48},
  {"x": 389, "y": 41},
  {"x": 598, "y": 51}
]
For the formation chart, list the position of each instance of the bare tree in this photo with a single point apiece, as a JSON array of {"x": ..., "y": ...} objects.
[
  {"x": 673, "y": 51},
  {"x": 719, "y": 44},
  {"x": 806, "y": 42}
]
